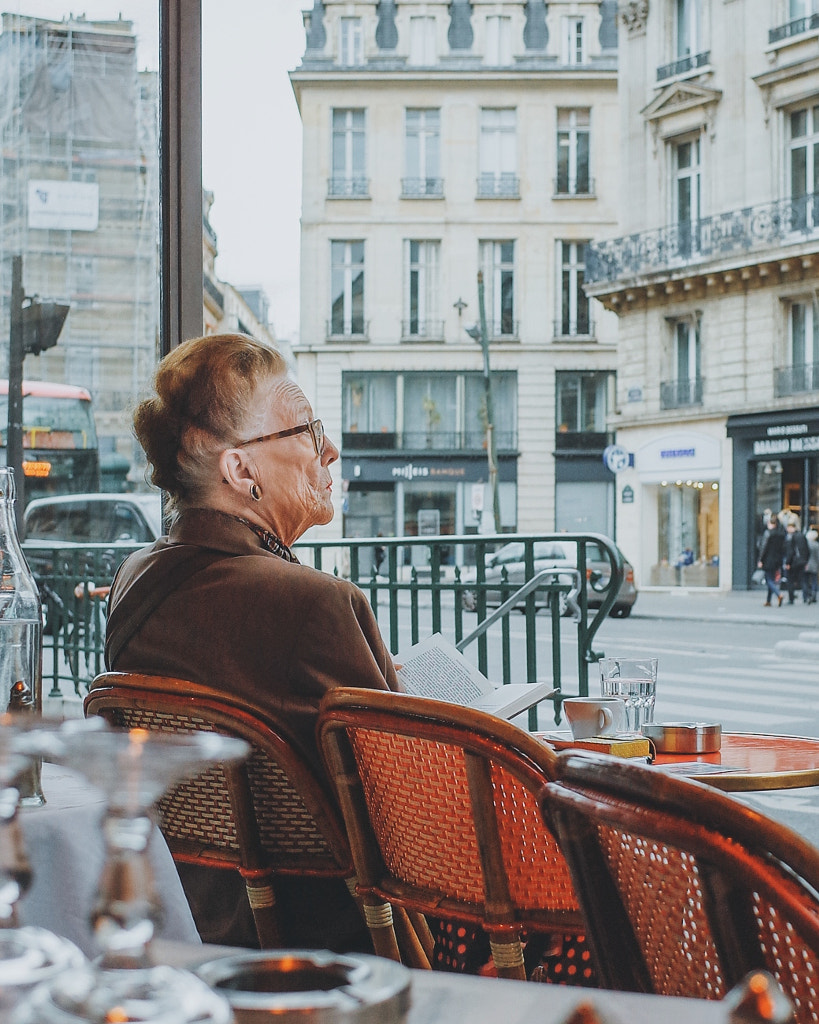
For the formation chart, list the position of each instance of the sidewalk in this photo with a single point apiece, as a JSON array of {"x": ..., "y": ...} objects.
[{"x": 724, "y": 606}]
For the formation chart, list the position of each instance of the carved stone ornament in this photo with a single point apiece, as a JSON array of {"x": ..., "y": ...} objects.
[{"x": 634, "y": 15}]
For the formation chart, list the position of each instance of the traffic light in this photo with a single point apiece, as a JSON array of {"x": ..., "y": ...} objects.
[{"x": 42, "y": 323}]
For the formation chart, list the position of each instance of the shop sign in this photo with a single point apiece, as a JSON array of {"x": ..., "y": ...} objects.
[
  {"x": 786, "y": 445},
  {"x": 683, "y": 452},
  {"x": 447, "y": 469},
  {"x": 616, "y": 458},
  {"x": 627, "y": 495}
]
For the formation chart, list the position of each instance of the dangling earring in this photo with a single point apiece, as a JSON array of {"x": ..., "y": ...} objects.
[{"x": 255, "y": 492}]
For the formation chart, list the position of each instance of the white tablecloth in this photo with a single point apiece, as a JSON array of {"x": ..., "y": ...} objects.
[{"x": 66, "y": 850}]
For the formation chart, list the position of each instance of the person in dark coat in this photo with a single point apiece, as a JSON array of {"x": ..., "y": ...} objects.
[
  {"x": 795, "y": 558},
  {"x": 234, "y": 444},
  {"x": 771, "y": 553}
]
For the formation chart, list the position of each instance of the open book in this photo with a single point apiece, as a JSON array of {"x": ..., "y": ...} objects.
[{"x": 434, "y": 668}]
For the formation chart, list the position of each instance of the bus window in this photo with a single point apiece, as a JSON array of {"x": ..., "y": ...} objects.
[{"x": 60, "y": 450}]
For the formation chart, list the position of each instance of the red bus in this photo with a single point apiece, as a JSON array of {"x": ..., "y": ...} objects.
[{"x": 60, "y": 449}]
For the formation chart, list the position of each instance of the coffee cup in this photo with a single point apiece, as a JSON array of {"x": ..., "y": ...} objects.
[{"x": 595, "y": 716}]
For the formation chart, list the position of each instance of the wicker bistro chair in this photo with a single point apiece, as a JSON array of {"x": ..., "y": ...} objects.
[
  {"x": 685, "y": 889},
  {"x": 440, "y": 803},
  {"x": 271, "y": 816}
]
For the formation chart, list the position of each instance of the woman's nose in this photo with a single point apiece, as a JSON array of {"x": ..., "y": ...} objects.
[{"x": 330, "y": 453}]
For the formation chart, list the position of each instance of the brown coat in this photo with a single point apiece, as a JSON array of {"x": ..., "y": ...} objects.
[{"x": 251, "y": 623}]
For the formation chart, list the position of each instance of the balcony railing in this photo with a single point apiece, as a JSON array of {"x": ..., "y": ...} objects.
[
  {"x": 723, "y": 234},
  {"x": 429, "y": 440},
  {"x": 212, "y": 289},
  {"x": 583, "y": 329},
  {"x": 793, "y": 28},
  {"x": 582, "y": 440},
  {"x": 356, "y": 330},
  {"x": 422, "y": 188},
  {"x": 498, "y": 186},
  {"x": 422, "y": 330},
  {"x": 348, "y": 188},
  {"x": 581, "y": 186},
  {"x": 794, "y": 380},
  {"x": 684, "y": 64},
  {"x": 676, "y": 394}
]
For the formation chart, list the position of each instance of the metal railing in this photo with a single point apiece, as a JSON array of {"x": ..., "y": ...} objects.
[
  {"x": 676, "y": 394},
  {"x": 416, "y": 590},
  {"x": 348, "y": 187},
  {"x": 793, "y": 28},
  {"x": 794, "y": 380},
  {"x": 683, "y": 65},
  {"x": 723, "y": 234},
  {"x": 422, "y": 188}
]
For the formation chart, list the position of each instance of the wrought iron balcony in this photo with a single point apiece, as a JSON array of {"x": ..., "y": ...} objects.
[
  {"x": 498, "y": 186},
  {"x": 794, "y": 380},
  {"x": 582, "y": 185},
  {"x": 428, "y": 440},
  {"x": 737, "y": 231},
  {"x": 679, "y": 67},
  {"x": 422, "y": 188},
  {"x": 793, "y": 28},
  {"x": 355, "y": 330},
  {"x": 422, "y": 330},
  {"x": 212, "y": 289},
  {"x": 676, "y": 394},
  {"x": 343, "y": 187},
  {"x": 582, "y": 328}
]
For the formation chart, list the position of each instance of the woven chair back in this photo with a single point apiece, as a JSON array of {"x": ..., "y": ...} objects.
[
  {"x": 442, "y": 813},
  {"x": 685, "y": 889},
  {"x": 273, "y": 815}
]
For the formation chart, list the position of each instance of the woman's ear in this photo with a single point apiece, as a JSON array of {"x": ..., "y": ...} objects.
[{"x": 236, "y": 471}]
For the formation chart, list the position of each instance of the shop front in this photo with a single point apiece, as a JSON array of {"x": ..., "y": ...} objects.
[
  {"x": 394, "y": 496},
  {"x": 677, "y": 517},
  {"x": 776, "y": 467}
]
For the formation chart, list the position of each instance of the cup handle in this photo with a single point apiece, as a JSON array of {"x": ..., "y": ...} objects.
[{"x": 605, "y": 720}]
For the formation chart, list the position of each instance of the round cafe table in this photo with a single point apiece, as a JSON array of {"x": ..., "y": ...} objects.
[{"x": 752, "y": 761}]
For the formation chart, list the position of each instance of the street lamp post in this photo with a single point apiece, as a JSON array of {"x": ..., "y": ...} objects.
[{"x": 481, "y": 334}]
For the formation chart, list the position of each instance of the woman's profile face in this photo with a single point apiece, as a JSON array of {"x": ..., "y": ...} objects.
[{"x": 294, "y": 480}]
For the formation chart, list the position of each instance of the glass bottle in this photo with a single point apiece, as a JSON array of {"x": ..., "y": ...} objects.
[{"x": 21, "y": 624}]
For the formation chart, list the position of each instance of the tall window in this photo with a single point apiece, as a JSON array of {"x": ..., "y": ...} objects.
[
  {"x": 804, "y": 165},
  {"x": 686, "y": 387},
  {"x": 574, "y": 41},
  {"x": 573, "y": 152},
  {"x": 687, "y": 28},
  {"x": 347, "y": 282},
  {"x": 498, "y": 265},
  {"x": 498, "y": 41},
  {"x": 349, "y": 154},
  {"x": 504, "y": 409},
  {"x": 804, "y": 345},
  {"x": 369, "y": 410},
  {"x": 422, "y": 260},
  {"x": 574, "y": 305},
  {"x": 351, "y": 42},
  {"x": 430, "y": 410},
  {"x": 422, "y": 153},
  {"x": 582, "y": 402},
  {"x": 498, "y": 152},
  {"x": 423, "y": 51},
  {"x": 687, "y": 179}
]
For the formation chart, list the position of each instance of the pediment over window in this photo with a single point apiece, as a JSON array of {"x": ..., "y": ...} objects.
[{"x": 680, "y": 107}]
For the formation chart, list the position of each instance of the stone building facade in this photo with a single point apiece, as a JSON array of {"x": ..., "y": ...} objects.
[
  {"x": 440, "y": 140},
  {"x": 714, "y": 281}
]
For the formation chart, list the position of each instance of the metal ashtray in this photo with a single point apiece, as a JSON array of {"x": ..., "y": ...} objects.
[
  {"x": 684, "y": 737},
  {"x": 308, "y": 986}
]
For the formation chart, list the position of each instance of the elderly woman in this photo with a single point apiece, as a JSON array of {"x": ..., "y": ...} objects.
[{"x": 222, "y": 600}]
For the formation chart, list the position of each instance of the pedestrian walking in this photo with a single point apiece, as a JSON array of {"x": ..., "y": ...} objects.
[
  {"x": 795, "y": 558},
  {"x": 810, "y": 574},
  {"x": 771, "y": 554}
]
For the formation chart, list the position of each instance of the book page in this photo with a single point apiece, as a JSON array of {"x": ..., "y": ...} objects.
[{"x": 435, "y": 668}]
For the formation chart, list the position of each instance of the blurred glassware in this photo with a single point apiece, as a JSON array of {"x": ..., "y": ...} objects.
[{"x": 133, "y": 768}]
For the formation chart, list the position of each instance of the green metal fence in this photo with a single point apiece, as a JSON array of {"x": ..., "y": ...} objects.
[{"x": 420, "y": 585}]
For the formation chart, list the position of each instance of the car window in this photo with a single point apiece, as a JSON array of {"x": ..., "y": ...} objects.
[
  {"x": 128, "y": 525},
  {"x": 508, "y": 553},
  {"x": 44, "y": 523},
  {"x": 549, "y": 550}
]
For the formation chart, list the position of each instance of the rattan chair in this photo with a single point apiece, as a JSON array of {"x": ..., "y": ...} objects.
[
  {"x": 271, "y": 816},
  {"x": 441, "y": 809},
  {"x": 685, "y": 889}
]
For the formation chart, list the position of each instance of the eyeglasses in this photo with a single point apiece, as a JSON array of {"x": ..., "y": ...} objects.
[{"x": 316, "y": 428}]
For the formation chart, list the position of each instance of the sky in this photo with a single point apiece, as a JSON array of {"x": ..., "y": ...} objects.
[{"x": 251, "y": 148}]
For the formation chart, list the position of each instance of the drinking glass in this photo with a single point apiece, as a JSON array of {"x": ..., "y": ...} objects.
[
  {"x": 635, "y": 680},
  {"x": 133, "y": 768}
]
